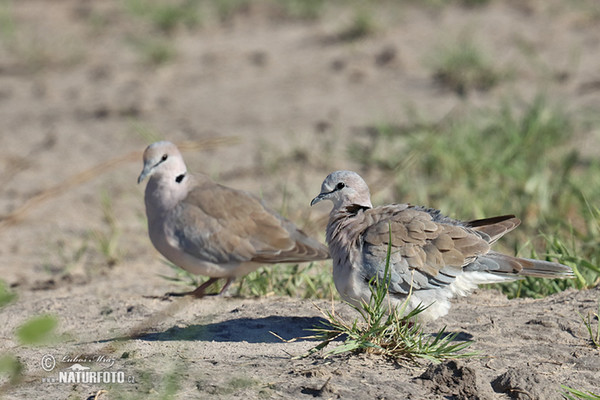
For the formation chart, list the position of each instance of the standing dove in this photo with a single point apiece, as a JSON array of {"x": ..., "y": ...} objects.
[
  {"x": 433, "y": 256},
  {"x": 210, "y": 229}
]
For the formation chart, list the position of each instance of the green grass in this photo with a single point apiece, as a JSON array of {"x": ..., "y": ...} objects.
[
  {"x": 309, "y": 280},
  {"x": 439, "y": 4},
  {"x": 512, "y": 159},
  {"x": 574, "y": 394},
  {"x": 163, "y": 19},
  {"x": 463, "y": 67},
  {"x": 69, "y": 255},
  {"x": 107, "y": 240},
  {"x": 361, "y": 25},
  {"x": 302, "y": 9},
  {"x": 393, "y": 332},
  {"x": 594, "y": 332},
  {"x": 154, "y": 50},
  {"x": 164, "y": 16},
  {"x": 225, "y": 9}
]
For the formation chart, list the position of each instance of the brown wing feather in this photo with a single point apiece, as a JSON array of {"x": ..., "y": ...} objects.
[
  {"x": 428, "y": 246},
  {"x": 495, "y": 227},
  {"x": 234, "y": 221}
]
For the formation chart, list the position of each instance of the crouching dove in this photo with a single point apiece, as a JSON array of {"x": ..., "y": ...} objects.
[
  {"x": 210, "y": 229},
  {"x": 433, "y": 256}
]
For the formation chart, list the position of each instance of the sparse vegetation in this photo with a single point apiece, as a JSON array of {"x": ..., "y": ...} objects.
[
  {"x": 155, "y": 50},
  {"x": 594, "y": 332},
  {"x": 574, "y": 394},
  {"x": 305, "y": 9},
  {"x": 69, "y": 256},
  {"x": 500, "y": 161},
  {"x": 296, "y": 280},
  {"x": 225, "y": 9},
  {"x": 182, "y": 277},
  {"x": 107, "y": 241},
  {"x": 464, "y": 67},
  {"x": 393, "y": 332},
  {"x": 166, "y": 16},
  {"x": 221, "y": 68},
  {"x": 361, "y": 25},
  {"x": 163, "y": 18}
]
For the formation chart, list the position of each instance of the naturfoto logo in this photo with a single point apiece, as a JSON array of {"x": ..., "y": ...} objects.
[{"x": 78, "y": 373}]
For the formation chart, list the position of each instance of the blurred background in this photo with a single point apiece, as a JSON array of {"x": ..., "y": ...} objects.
[{"x": 475, "y": 107}]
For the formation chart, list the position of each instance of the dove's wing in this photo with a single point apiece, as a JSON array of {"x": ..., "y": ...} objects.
[
  {"x": 425, "y": 253},
  {"x": 222, "y": 225}
]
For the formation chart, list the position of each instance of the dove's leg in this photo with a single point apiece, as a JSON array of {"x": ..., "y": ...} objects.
[
  {"x": 199, "y": 291},
  {"x": 226, "y": 285}
]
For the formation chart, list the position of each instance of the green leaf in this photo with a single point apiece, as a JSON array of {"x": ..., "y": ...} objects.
[{"x": 37, "y": 330}]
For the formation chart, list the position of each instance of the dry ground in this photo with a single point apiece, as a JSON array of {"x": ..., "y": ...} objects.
[{"x": 75, "y": 92}]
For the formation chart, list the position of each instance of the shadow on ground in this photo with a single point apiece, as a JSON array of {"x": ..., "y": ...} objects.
[{"x": 251, "y": 330}]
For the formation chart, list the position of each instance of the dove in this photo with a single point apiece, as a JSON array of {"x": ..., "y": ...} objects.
[
  {"x": 432, "y": 257},
  {"x": 213, "y": 230}
]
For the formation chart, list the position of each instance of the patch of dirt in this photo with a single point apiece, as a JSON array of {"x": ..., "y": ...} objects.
[
  {"x": 76, "y": 91},
  {"x": 227, "y": 347},
  {"x": 452, "y": 380}
]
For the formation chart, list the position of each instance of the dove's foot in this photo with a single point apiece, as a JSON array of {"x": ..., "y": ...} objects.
[{"x": 200, "y": 291}]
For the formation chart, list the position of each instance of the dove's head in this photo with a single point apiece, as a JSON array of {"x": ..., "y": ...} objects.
[
  {"x": 344, "y": 188},
  {"x": 163, "y": 159}
]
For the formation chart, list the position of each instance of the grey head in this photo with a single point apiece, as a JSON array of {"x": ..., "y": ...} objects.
[
  {"x": 344, "y": 188},
  {"x": 162, "y": 159}
]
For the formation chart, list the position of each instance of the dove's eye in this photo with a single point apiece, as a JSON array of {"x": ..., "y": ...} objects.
[
  {"x": 164, "y": 157},
  {"x": 340, "y": 186}
]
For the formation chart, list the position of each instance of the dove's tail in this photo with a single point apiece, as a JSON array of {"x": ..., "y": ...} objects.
[{"x": 508, "y": 266}]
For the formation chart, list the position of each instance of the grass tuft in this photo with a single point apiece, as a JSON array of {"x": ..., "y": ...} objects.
[
  {"x": 362, "y": 25},
  {"x": 463, "y": 67},
  {"x": 155, "y": 50},
  {"x": 294, "y": 280},
  {"x": 589, "y": 324},
  {"x": 166, "y": 16},
  {"x": 108, "y": 242},
  {"x": 181, "y": 277}
]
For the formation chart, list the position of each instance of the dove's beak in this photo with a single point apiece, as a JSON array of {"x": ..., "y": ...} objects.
[
  {"x": 145, "y": 172},
  {"x": 321, "y": 196}
]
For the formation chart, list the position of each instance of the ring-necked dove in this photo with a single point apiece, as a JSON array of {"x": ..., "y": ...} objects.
[
  {"x": 210, "y": 229},
  {"x": 435, "y": 256}
]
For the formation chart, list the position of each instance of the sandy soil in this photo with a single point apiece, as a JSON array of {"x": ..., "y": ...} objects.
[{"x": 74, "y": 94}]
